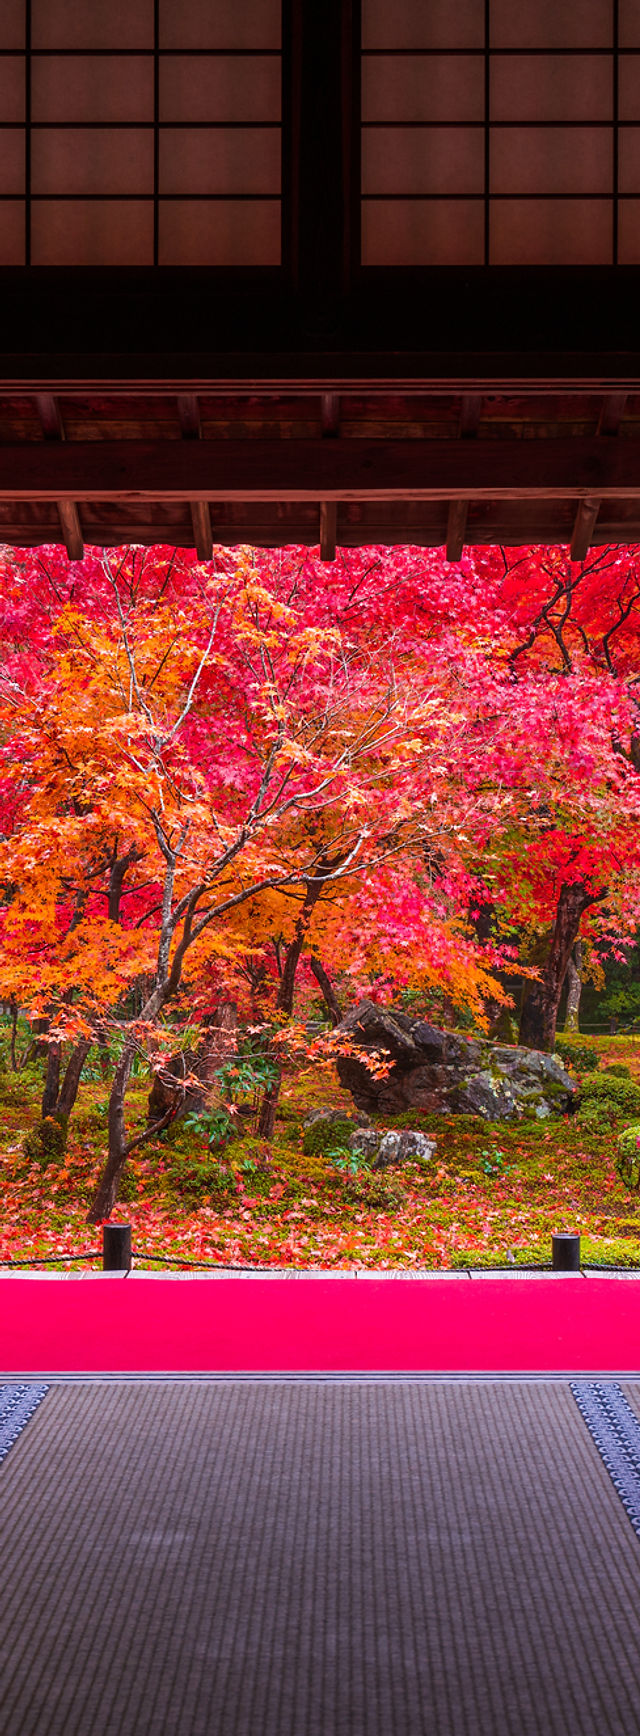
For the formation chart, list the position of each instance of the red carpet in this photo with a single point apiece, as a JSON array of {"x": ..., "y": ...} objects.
[{"x": 148, "y": 1325}]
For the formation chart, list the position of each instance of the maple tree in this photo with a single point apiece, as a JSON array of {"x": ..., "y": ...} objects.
[
  {"x": 576, "y": 649},
  {"x": 215, "y": 778},
  {"x": 198, "y": 740}
]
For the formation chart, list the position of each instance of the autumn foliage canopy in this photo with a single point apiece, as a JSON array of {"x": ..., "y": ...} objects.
[{"x": 212, "y": 778}]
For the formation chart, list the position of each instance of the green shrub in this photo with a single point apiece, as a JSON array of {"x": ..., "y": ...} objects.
[
  {"x": 47, "y": 1142},
  {"x": 578, "y": 1055},
  {"x": 628, "y": 1158},
  {"x": 293, "y": 1130},
  {"x": 618, "y": 1069},
  {"x": 213, "y": 1124},
  {"x": 608, "y": 1099},
  {"x": 422, "y": 1121},
  {"x": 195, "y": 1182},
  {"x": 18, "y": 1089},
  {"x": 372, "y": 1191},
  {"x": 258, "y": 1176},
  {"x": 327, "y": 1138}
]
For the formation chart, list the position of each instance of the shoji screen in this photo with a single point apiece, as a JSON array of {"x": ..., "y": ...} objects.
[
  {"x": 140, "y": 132},
  {"x": 501, "y": 132}
]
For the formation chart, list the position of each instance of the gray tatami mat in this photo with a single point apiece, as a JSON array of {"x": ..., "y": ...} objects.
[{"x": 312, "y": 1560}]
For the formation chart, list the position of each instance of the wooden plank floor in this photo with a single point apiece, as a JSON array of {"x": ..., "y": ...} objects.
[{"x": 315, "y": 1559}]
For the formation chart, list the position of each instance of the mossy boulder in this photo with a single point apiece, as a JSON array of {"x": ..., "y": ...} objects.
[{"x": 444, "y": 1073}]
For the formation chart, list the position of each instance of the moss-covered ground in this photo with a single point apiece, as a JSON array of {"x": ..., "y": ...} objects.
[{"x": 494, "y": 1192}]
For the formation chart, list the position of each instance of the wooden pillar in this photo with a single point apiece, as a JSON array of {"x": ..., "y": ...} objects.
[
  {"x": 53, "y": 429},
  {"x": 189, "y": 413}
]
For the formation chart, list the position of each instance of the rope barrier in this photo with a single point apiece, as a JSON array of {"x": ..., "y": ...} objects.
[{"x": 232, "y": 1266}]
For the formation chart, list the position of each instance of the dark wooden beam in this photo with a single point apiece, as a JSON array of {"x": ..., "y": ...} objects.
[
  {"x": 328, "y": 529},
  {"x": 459, "y": 509},
  {"x": 71, "y": 528},
  {"x": 50, "y": 419},
  {"x": 270, "y": 524},
  {"x": 612, "y": 412},
  {"x": 320, "y": 469},
  {"x": 330, "y": 414},
  {"x": 584, "y": 526},
  {"x": 456, "y": 528},
  {"x": 189, "y": 414},
  {"x": 53, "y": 429},
  {"x": 298, "y": 370}
]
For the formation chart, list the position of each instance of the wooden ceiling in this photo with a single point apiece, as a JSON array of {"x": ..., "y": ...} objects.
[
  {"x": 438, "y": 343},
  {"x": 342, "y": 468}
]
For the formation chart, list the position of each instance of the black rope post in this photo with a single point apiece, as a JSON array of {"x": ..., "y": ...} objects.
[
  {"x": 565, "y": 1251},
  {"x": 116, "y": 1247}
]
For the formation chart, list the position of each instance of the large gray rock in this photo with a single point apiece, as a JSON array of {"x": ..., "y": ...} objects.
[
  {"x": 403, "y": 1145},
  {"x": 442, "y": 1073}
]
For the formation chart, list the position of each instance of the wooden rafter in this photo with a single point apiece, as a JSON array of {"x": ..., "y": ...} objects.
[
  {"x": 190, "y": 423},
  {"x": 53, "y": 429},
  {"x": 319, "y": 469},
  {"x": 611, "y": 415}
]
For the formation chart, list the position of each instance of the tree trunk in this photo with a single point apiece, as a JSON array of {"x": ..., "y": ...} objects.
[
  {"x": 574, "y": 989},
  {"x": 59, "y": 1099},
  {"x": 103, "y": 1053},
  {"x": 267, "y": 1118},
  {"x": 72, "y": 1077},
  {"x": 219, "y": 1042},
  {"x": 268, "y": 1108},
  {"x": 41, "y": 1046},
  {"x": 484, "y": 921},
  {"x": 106, "y": 1193},
  {"x": 540, "y": 1007},
  {"x": 52, "y": 1079},
  {"x": 14, "y": 1030},
  {"x": 328, "y": 992}
]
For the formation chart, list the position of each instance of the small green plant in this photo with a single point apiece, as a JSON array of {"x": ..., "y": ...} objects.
[
  {"x": 617, "y": 1070},
  {"x": 492, "y": 1162},
  {"x": 628, "y": 1158},
  {"x": 245, "y": 1073},
  {"x": 139, "y": 1065},
  {"x": 350, "y": 1165},
  {"x": 213, "y": 1125}
]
